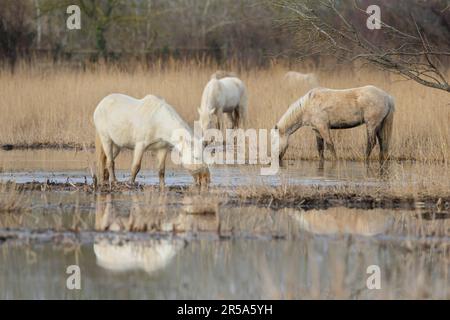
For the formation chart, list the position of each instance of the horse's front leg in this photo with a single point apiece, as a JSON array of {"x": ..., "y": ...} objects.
[
  {"x": 161, "y": 158},
  {"x": 320, "y": 149},
  {"x": 324, "y": 132}
]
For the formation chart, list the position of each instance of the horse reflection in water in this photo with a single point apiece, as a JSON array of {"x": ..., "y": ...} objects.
[
  {"x": 344, "y": 221},
  {"x": 149, "y": 255}
]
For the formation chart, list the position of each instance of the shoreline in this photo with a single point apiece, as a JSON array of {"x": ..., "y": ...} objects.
[{"x": 301, "y": 197}]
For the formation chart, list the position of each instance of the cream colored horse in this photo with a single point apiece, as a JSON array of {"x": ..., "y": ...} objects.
[
  {"x": 223, "y": 95},
  {"x": 326, "y": 109},
  {"x": 147, "y": 124}
]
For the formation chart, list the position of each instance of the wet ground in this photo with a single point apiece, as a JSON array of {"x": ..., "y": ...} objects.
[{"x": 144, "y": 244}]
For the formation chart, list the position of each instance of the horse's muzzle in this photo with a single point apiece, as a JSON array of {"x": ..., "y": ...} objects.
[{"x": 202, "y": 177}]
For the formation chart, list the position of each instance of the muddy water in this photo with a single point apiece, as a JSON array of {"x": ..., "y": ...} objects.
[{"x": 147, "y": 245}]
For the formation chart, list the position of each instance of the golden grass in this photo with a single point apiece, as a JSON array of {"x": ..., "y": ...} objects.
[{"x": 54, "y": 105}]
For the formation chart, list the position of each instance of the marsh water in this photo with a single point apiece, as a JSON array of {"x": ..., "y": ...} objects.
[{"x": 148, "y": 245}]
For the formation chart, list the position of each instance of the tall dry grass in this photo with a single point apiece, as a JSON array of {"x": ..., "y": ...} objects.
[{"x": 55, "y": 104}]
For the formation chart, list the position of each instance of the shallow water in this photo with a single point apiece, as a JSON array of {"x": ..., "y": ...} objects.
[
  {"x": 253, "y": 252},
  {"x": 148, "y": 245},
  {"x": 313, "y": 267},
  {"x": 77, "y": 167}
]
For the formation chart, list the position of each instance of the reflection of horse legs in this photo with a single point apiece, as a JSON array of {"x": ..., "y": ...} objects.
[
  {"x": 137, "y": 160},
  {"x": 161, "y": 158}
]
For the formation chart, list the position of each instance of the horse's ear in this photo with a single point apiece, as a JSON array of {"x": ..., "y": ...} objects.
[
  {"x": 276, "y": 127},
  {"x": 212, "y": 111}
]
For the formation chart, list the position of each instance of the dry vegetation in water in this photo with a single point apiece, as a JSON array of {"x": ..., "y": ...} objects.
[
  {"x": 54, "y": 105},
  {"x": 12, "y": 200}
]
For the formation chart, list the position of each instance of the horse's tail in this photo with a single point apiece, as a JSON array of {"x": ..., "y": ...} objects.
[
  {"x": 386, "y": 129},
  {"x": 101, "y": 159},
  {"x": 243, "y": 108}
]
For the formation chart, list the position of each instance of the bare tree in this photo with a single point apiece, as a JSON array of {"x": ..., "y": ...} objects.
[
  {"x": 323, "y": 26},
  {"x": 16, "y": 34},
  {"x": 103, "y": 14}
]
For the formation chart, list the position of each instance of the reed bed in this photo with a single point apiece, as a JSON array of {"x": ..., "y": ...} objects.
[{"x": 53, "y": 105}]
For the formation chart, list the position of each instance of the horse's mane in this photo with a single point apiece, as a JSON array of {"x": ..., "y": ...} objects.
[
  {"x": 293, "y": 114},
  {"x": 220, "y": 74}
]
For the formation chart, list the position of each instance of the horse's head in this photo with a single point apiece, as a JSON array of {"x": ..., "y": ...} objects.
[
  {"x": 192, "y": 159},
  {"x": 205, "y": 118},
  {"x": 283, "y": 141},
  {"x": 202, "y": 176}
]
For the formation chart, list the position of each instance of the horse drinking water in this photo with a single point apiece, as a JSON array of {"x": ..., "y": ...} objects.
[
  {"x": 147, "y": 124},
  {"x": 326, "y": 109}
]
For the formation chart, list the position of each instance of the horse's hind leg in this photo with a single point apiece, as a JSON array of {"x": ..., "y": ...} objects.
[
  {"x": 371, "y": 141},
  {"x": 383, "y": 147},
  {"x": 115, "y": 153},
  {"x": 241, "y": 117},
  {"x": 236, "y": 119},
  {"x": 108, "y": 146},
  {"x": 161, "y": 158},
  {"x": 320, "y": 148},
  {"x": 137, "y": 161},
  {"x": 232, "y": 118}
]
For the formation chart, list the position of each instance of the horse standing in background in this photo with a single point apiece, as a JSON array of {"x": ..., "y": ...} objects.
[
  {"x": 293, "y": 78},
  {"x": 223, "y": 94}
]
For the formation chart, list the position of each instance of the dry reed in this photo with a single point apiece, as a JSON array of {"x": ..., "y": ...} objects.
[{"x": 54, "y": 104}]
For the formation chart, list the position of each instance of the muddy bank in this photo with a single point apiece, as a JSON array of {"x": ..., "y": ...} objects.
[
  {"x": 334, "y": 199},
  {"x": 46, "y": 145},
  {"x": 302, "y": 197}
]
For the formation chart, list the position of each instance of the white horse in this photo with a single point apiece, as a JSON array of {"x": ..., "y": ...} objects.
[
  {"x": 147, "y": 124},
  {"x": 223, "y": 95},
  {"x": 294, "y": 78}
]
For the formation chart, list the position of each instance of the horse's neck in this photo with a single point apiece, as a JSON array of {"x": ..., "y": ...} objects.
[
  {"x": 209, "y": 96},
  {"x": 173, "y": 138},
  {"x": 292, "y": 119},
  {"x": 171, "y": 124}
]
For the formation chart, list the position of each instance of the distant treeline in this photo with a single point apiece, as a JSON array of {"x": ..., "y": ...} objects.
[{"x": 249, "y": 31}]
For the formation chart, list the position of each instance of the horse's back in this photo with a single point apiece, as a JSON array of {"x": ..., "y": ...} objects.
[
  {"x": 117, "y": 104},
  {"x": 124, "y": 119},
  {"x": 233, "y": 89},
  {"x": 361, "y": 96},
  {"x": 346, "y": 108}
]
